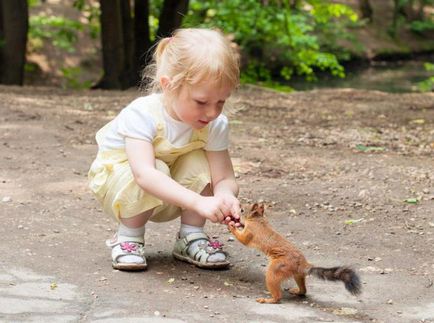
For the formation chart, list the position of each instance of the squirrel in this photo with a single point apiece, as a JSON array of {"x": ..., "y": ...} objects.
[{"x": 285, "y": 260}]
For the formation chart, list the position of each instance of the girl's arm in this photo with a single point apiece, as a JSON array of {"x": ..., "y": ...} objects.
[
  {"x": 223, "y": 179},
  {"x": 141, "y": 158}
]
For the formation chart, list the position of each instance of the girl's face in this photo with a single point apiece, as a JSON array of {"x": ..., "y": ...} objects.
[{"x": 199, "y": 104}]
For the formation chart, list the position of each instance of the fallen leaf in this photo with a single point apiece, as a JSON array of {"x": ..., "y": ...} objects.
[
  {"x": 411, "y": 201},
  {"x": 53, "y": 286},
  {"x": 171, "y": 280},
  {"x": 352, "y": 221},
  {"x": 364, "y": 148},
  {"x": 345, "y": 311},
  {"x": 418, "y": 121}
]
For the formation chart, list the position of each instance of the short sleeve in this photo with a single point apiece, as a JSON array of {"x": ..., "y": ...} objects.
[
  {"x": 136, "y": 122},
  {"x": 218, "y": 134}
]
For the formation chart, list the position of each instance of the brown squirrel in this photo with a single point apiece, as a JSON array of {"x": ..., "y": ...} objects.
[{"x": 285, "y": 260}]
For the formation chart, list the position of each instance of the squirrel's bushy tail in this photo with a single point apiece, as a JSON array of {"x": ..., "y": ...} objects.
[{"x": 345, "y": 274}]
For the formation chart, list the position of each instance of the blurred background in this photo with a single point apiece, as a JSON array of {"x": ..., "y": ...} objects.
[{"x": 385, "y": 45}]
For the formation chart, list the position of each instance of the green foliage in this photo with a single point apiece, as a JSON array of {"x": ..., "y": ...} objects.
[
  {"x": 72, "y": 76},
  {"x": 61, "y": 31},
  {"x": 419, "y": 26},
  {"x": 63, "y": 34},
  {"x": 33, "y": 3},
  {"x": 279, "y": 40},
  {"x": 155, "y": 7},
  {"x": 428, "y": 84},
  {"x": 424, "y": 23},
  {"x": 91, "y": 13}
]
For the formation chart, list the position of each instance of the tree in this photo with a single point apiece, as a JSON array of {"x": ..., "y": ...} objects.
[
  {"x": 125, "y": 38},
  {"x": 366, "y": 10},
  {"x": 14, "y": 24},
  {"x": 171, "y": 16}
]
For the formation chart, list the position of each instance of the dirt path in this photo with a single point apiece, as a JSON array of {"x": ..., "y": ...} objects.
[{"x": 334, "y": 166}]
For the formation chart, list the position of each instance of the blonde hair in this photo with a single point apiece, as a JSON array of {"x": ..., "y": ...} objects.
[{"x": 192, "y": 56}]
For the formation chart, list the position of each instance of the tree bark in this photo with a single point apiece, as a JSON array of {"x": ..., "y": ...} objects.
[
  {"x": 14, "y": 22},
  {"x": 171, "y": 16},
  {"x": 141, "y": 33},
  {"x": 129, "y": 75},
  {"x": 366, "y": 10},
  {"x": 112, "y": 40}
]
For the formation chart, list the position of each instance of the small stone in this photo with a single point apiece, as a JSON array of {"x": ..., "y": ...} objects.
[
  {"x": 390, "y": 302},
  {"x": 231, "y": 239},
  {"x": 156, "y": 313},
  {"x": 20, "y": 227},
  {"x": 6, "y": 199}
]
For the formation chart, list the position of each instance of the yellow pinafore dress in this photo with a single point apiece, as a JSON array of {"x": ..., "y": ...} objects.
[{"x": 112, "y": 182}]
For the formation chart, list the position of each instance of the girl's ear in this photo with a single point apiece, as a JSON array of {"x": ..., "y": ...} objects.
[{"x": 164, "y": 82}]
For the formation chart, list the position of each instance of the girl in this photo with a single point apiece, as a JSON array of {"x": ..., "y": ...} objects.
[{"x": 165, "y": 155}]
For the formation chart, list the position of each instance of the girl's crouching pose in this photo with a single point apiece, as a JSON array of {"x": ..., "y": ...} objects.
[{"x": 165, "y": 155}]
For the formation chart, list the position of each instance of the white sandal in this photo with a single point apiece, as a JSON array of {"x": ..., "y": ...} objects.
[
  {"x": 128, "y": 246},
  {"x": 202, "y": 252}
]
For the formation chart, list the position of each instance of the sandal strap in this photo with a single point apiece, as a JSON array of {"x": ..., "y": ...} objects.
[
  {"x": 189, "y": 238},
  {"x": 129, "y": 249},
  {"x": 116, "y": 240},
  {"x": 202, "y": 253}
]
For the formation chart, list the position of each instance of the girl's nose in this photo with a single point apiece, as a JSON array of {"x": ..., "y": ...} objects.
[{"x": 213, "y": 112}]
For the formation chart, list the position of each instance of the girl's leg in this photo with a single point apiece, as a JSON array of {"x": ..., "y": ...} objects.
[
  {"x": 126, "y": 201},
  {"x": 134, "y": 228},
  {"x": 191, "y": 222}
]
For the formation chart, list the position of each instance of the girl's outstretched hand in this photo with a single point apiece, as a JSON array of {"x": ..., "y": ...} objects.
[
  {"x": 212, "y": 208},
  {"x": 233, "y": 217}
]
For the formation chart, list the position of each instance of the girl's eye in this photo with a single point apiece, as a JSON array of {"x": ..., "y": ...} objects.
[{"x": 200, "y": 102}]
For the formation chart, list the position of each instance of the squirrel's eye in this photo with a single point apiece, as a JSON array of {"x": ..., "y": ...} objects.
[{"x": 242, "y": 210}]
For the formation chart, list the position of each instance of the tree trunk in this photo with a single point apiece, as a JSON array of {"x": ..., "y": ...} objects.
[
  {"x": 129, "y": 75},
  {"x": 141, "y": 33},
  {"x": 171, "y": 16},
  {"x": 14, "y": 22},
  {"x": 124, "y": 45},
  {"x": 366, "y": 10},
  {"x": 112, "y": 40}
]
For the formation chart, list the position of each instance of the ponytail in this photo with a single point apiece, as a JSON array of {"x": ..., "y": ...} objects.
[{"x": 162, "y": 44}]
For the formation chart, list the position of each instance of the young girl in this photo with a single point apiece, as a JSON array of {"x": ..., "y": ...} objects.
[{"x": 165, "y": 155}]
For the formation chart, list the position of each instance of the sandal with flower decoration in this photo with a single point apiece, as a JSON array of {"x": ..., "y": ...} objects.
[
  {"x": 200, "y": 254},
  {"x": 126, "y": 246}
]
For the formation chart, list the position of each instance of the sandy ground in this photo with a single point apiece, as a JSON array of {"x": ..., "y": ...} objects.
[{"x": 334, "y": 166}]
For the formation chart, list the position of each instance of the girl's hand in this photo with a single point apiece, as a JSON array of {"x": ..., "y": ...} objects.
[
  {"x": 233, "y": 217},
  {"x": 212, "y": 208}
]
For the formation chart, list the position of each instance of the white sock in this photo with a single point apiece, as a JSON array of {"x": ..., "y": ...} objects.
[
  {"x": 125, "y": 231},
  {"x": 187, "y": 229}
]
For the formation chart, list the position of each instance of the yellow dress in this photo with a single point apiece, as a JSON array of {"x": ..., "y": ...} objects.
[{"x": 112, "y": 182}]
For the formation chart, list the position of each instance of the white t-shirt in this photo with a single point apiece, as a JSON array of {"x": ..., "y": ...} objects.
[{"x": 135, "y": 121}]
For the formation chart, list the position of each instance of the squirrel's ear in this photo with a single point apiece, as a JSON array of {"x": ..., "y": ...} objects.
[
  {"x": 257, "y": 210},
  {"x": 260, "y": 209},
  {"x": 254, "y": 207}
]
